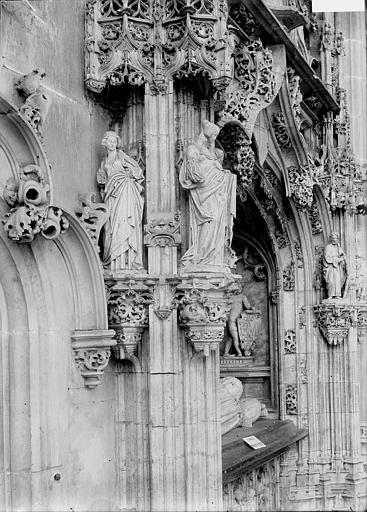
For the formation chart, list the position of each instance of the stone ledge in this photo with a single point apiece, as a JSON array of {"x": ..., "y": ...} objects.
[{"x": 238, "y": 458}]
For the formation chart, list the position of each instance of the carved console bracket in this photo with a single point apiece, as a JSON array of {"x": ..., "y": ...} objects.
[
  {"x": 203, "y": 308},
  {"x": 128, "y": 302},
  {"x": 92, "y": 350},
  {"x": 335, "y": 318},
  {"x": 31, "y": 213}
]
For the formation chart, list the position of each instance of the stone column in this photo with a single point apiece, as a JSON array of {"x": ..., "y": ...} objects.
[
  {"x": 352, "y": 77},
  {"x": 183, "y": 416}
]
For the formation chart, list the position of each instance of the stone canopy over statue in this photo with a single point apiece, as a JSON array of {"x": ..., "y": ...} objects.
[
  {"x": 212, "y": 203},
  {"x": 334, "y": 267},
  {"x": 120, "y": 180}
]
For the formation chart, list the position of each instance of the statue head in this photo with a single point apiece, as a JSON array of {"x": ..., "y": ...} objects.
[
  {"x": 233, "y": 386},
  {"x": 334, "y": 238},
  {"x": 210, "y": 130},
  {"x": 111, "y": 140}
]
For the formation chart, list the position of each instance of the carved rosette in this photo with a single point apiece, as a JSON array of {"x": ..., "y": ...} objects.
[
  {"x": 335, "y": 319},
  {"x": 153, "y": 42},
  {"x": 203, "y": 310},
  {"x": 92, "y": 350},
  {"x": 128, "y": 313},
  {"x": 31, "y": 213}
]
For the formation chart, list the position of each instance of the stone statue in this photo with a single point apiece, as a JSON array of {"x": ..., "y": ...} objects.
[
  {"x": 240, "y": 304},
  {"x": 236, "y": 412},
  {"x": 212, "y": 202},
  {"x": 119, "y": 178},
  {"x": 334, "y": 267}
]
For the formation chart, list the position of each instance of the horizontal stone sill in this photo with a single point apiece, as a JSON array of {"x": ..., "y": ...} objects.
[{"x": 239, "y": 458}]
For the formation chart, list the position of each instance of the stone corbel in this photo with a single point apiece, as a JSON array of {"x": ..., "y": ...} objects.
[
  {"x": 92, "y": 350},
  {"x": 335, "y": 318},
  {"x": 31, "y": 213},
  {"x": 128, "y": 314},
  {"x": 203, "y": 310},
  {"x": 163, "y": 232}
]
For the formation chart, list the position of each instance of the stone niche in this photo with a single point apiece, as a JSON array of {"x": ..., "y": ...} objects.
[{"x": 253, "y": 368}]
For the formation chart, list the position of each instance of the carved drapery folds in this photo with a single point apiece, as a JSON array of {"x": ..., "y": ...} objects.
[
  {"x": 92, "y": 350},
  {"x": 31, "y": 213},
  {"x": 334, "y": 319},
  {"x": 128, "y": 314},
  {"x": 203, "y": 309},
  {"x": 152, "y": 41}
]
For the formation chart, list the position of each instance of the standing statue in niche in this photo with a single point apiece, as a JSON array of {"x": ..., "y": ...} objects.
[
  {"x": 120, "y": 180},
  {"x": 334, "y": 267},
  {"x": 240, "y": 304},
  {"x": 212, "y": 203}
]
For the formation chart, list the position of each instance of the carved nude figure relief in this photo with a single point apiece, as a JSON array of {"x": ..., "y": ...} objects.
[
  {"x": 240, "y": 304},
  {"x": 334, "y": 267},
  {"x": 120, "y": 180},
  {"x": 212, "y": 202}
]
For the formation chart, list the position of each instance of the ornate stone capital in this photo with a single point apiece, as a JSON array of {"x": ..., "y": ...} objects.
[
  {"x": 335, "y": 318},
  {"x": 128, "y": 303},
  {"x": 31, "y": 212},
  {"x": 163, "y": 232},
  {"x": 92, "y": 350},
  {"x": 203, "y": 309}
]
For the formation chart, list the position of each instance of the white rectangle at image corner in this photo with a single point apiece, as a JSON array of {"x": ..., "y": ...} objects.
[{"x": 338, "y": 5}]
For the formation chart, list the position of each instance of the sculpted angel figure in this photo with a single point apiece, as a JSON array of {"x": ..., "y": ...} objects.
[
  {"x": 212, "y": 202},
  {"x": 120, "y": 180},
  {"x": 334, "y": 267}
]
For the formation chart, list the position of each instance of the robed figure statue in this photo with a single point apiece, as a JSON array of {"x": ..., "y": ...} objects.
[
  {"x": 212, "y": 202},
  {"x": 334, "y": 267},
  {"x": 120, "y": 180}
]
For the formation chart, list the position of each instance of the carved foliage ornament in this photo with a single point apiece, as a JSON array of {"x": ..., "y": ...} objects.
[
  {"x": 280, "y": 130},
  {"x": 253, "y": 70},
  {"x": 334, "y": 321},
  {"x": 152, "y": 41},
  {"x": 301, "y": 186},
  {"x": 291, "y": 399},
  {"x": 203, "y": 314},
  {"x": 92, "y": 215},
  {"x": 290, "y": 345},
  {"x": 128, "y": 314},
  {"x": 92, "y": 350},
  {"x": 31, "y": 214}
]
